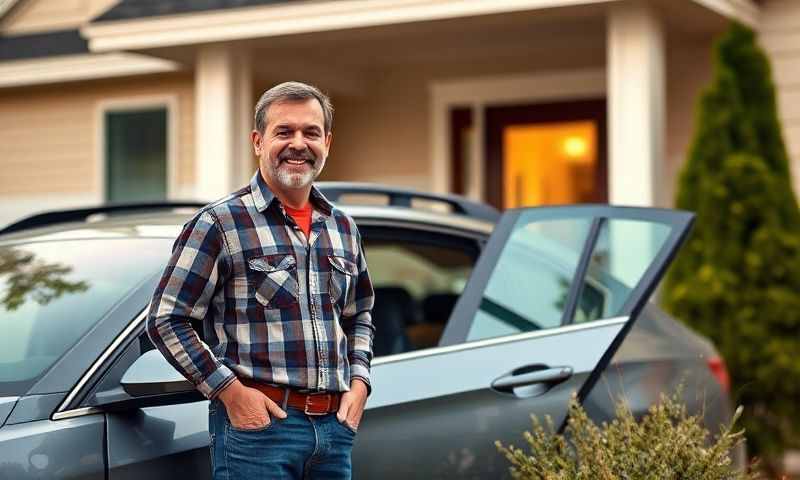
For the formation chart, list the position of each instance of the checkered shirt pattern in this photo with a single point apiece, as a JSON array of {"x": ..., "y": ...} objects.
[{"x": 274, "y": 306}]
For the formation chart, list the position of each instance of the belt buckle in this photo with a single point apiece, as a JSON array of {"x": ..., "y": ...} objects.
[{"x": 308, "y": 403}]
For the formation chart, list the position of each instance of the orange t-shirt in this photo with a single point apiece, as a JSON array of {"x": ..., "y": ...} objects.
[{"x": 302, "y": 217}]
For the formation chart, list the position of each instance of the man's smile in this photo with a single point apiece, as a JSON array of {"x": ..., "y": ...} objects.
[{"x": 297, "y": 161}]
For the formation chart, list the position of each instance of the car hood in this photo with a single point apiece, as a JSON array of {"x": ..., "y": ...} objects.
[{"x": 6, "y": 405}]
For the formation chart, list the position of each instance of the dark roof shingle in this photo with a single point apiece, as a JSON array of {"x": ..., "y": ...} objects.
[
  {"x": 39, "y": 45},
  {"x": 133, "y": 9}
]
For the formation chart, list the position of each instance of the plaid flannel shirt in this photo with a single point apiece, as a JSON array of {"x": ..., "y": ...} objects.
[{"x": 275, "y": 306}]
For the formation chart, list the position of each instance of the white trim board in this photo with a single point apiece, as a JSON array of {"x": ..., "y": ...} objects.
[
  {"x": 170, "y": 102},
  {"x": 294, "y": 18},
  {"x": 479, "y": 92},
  {"x": 86, "y": 66}
]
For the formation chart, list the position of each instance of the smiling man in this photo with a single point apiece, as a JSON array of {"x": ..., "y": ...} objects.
[{"x": 276, "y": 275}]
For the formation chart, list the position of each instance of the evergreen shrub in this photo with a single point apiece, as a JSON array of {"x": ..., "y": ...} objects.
[{"x": 737, "y": 280}]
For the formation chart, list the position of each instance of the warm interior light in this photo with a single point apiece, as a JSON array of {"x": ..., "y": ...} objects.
[
  {"x": 549, "y": 163},
  {"x": 575, "y": 147}
]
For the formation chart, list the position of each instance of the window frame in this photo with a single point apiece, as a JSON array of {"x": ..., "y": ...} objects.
[{"x": 134, "y": 104}]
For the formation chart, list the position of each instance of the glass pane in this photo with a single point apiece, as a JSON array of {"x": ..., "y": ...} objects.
[
  {"x": 52, "y": 293},
  {"x": 416, "y": 288},
  {"x": 624, "y": 251},
  {"x": 136, "y": 155},
  {"x": 550, "y": 164},
  {"x": 529, "y": 285}
]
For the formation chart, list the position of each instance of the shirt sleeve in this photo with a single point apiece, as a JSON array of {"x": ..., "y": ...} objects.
[
  {"x": 184, "y": 294},
  {"x": 357, "y": 323}
]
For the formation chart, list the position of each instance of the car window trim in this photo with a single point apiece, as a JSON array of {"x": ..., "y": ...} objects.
[
  {"x": 475, "y": 344},
  {"x": 121, "y": 339},
  {"x": 576, "y": 286}
]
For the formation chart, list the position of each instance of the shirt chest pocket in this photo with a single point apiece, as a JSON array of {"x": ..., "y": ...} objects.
[
  {"x": 344, "y": 274},
  {"x": 275, "y": 279}
]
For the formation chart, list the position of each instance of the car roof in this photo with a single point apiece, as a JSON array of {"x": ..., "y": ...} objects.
[{"x": 164, "y": 220}]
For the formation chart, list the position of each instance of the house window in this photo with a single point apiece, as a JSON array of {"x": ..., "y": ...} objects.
[{"x": 136, "y": 155}]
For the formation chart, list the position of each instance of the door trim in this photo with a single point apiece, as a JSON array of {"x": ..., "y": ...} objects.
[{"x": 478, "y": 92}]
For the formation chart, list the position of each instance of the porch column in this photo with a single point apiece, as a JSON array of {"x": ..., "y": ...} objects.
[
  {"x": 223, "y": 102},
  {"x": 636, "y": 104}
]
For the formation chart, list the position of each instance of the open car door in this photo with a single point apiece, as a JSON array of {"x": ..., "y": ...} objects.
[{"x": 550, "y": 300}]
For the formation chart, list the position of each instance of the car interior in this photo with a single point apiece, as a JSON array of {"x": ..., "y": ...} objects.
[{"x": 417, "y": 279}]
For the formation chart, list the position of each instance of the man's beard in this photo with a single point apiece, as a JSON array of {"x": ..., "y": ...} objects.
[{"x": 280, "y": 169}]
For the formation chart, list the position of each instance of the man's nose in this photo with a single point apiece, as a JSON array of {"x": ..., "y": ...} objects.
[{"x": 298, "y": 142}]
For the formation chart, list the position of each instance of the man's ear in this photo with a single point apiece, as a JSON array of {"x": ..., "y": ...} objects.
[
  {"x": 257, "y": 140},
  {"x": 328, "y": 140}
]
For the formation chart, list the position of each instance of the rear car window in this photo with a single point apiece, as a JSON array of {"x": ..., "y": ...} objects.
[{"x": 54, "y": 292}]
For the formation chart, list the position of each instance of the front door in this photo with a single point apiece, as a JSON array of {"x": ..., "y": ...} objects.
[{"x": 551, "y": 298}]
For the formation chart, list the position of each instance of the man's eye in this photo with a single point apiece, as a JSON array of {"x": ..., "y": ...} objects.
[
  {"x": 313, "y": 134},
  {"x": 283, "y": 133}
]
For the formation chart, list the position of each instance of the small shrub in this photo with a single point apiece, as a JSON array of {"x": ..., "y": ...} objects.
[{"x": 667, "y": 444}]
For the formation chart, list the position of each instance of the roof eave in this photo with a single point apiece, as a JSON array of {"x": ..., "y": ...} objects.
[{"x": 286, "y": 19}]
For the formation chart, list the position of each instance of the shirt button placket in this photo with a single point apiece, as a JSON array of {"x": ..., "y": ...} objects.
[{"x": 312, "y": 295}]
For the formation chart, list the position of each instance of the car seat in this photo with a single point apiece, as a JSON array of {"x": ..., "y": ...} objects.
[{"x": 394, "y": 309}]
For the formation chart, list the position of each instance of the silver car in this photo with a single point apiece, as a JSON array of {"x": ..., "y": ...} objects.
[{"x": 482, "y": 320}]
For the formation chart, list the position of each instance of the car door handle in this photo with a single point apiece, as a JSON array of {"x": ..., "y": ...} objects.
[{"x": 508, "y": 383}]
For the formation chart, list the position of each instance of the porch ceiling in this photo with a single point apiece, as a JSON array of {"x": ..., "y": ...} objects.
[{"x": 532, "y": 37}]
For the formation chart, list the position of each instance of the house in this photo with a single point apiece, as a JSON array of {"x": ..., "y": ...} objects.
[{"x": 509, "y": 101}]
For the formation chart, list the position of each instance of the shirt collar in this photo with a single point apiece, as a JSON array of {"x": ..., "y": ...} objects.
[{"x": 263, "y": 196}]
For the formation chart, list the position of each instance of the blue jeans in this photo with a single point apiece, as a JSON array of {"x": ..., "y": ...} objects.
[{"x": 298, "y": 447}]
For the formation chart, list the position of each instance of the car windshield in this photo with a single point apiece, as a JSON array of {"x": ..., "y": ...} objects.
[{"x": 52, "y": 293}]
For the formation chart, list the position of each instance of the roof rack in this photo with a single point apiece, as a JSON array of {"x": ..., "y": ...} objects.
[
  {"x": 81, "y": 214},
  {"x": 399, "y": 197}
]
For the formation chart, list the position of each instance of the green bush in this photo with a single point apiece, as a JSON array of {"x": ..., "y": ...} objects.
[
  {"x": 737, "y": 280},
  {"x": 667, "y": 444}
]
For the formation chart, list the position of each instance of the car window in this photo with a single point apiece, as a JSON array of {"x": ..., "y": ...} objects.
[
  {"x": 529, "y": 286},
  {"x": 621, "y": 255},
  {"x": 52, "y": 293},
  {"x": 417, "y": 280}
]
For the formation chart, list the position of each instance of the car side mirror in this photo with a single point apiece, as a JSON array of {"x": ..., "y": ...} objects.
[
  {"x": 149, "y": 382},
  {"x": 151, "y": 374}
]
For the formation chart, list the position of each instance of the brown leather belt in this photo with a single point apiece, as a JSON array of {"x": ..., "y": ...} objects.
[{"x": 313, "y": 403}]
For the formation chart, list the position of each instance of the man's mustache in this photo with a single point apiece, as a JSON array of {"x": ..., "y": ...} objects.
[{"x": 291, "y": 154}]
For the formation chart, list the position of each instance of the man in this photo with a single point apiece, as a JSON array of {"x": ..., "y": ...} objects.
[{"x": 277, "y": 278}]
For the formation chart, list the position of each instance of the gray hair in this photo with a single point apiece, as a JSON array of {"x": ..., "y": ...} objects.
[{"x": 292, "y": 92}]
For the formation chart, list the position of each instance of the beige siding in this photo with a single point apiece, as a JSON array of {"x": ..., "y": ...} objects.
[
  {"x": 49, "y": 135},
  {"x": 688, "y": 73},
  {"x": 780, "y": 36},
  {"x": 31, "y": 16}
]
